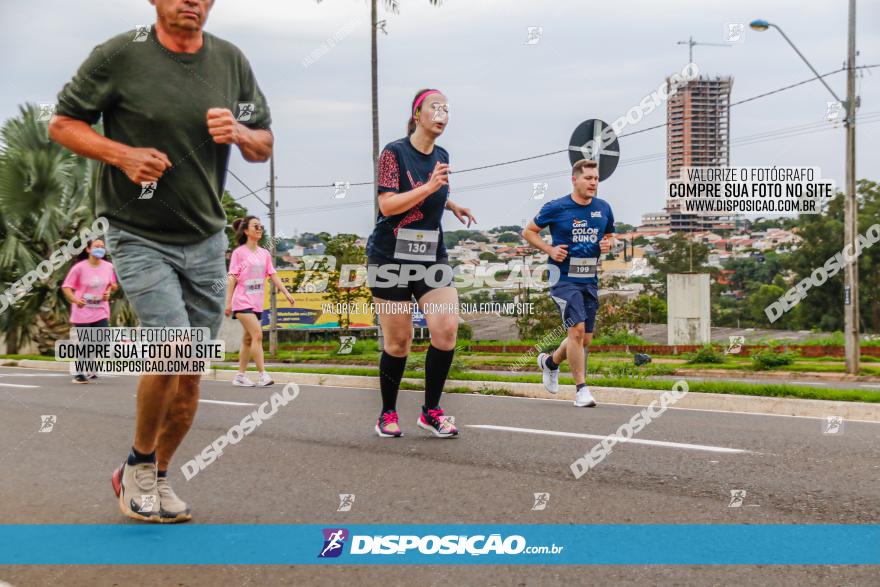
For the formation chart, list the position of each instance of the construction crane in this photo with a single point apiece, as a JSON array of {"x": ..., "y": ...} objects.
[{"x": 691, "y": 42}]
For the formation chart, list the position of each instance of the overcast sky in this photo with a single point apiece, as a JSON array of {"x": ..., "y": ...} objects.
[{"x": 507, "y": 99}]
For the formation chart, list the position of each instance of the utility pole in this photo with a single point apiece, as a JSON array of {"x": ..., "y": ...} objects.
[
  {"x": 273, "y": 293},
  {"x": 374, "y": 78},
  {"x": 850, "y": 203},
  {"x": 850, "y": 209}
]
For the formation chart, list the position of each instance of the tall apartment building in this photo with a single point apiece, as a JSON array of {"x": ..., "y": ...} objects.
[
  {"x": 697, "y": 135},
  {"x": 698, "y": 125}
]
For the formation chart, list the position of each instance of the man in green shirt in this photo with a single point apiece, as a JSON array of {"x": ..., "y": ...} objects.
[{"x": 173, "y": 100}]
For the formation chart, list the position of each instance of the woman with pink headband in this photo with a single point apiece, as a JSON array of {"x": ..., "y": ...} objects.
[{"x": 407, "y": 260}]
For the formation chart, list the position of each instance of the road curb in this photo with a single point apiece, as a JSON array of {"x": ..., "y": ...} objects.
[{"x": 780, "y": 406}]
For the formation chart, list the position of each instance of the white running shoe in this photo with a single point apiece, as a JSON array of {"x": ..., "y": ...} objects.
[
  {"x": 550, "y": 377},
  {"x": 265, "y": 380},
  {"x": 584, "y": 399},
  {"x": 241, "y": 380}
]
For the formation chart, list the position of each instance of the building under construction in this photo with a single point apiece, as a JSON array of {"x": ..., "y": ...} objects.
[{"x": 697, "y": 135}]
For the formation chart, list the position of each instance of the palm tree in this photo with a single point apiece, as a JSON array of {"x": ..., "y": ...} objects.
[
  {"x": 393, "y": 6},
  {"x": 46, "y": 197}
]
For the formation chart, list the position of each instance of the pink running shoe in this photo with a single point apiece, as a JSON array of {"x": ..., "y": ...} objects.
[
  {"x": 436, "y": 422},
  {"x": 387, "y": 426}
]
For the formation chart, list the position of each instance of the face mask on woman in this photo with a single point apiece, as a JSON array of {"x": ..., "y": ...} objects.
[{"x": 98, "y": 252}]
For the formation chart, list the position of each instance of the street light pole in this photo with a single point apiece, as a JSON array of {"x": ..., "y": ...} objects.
[
  {"x": 850, "y": 203},
  {"x": 273, "y": 298},
  {"x": 850, "y": 211}
]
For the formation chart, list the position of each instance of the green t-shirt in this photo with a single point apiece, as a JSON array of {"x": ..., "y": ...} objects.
[{"x": 152, "y": 97}]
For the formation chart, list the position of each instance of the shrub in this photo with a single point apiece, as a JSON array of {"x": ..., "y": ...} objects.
[
  {"x": 768, "y": 359},
  {"x": 619, "y": 336},
  {"x": 706, "y": 354},
  {"x": 363, "y": 346},
  {"x": 416, "y": 362},
  {"x": 465, "y": 332}
]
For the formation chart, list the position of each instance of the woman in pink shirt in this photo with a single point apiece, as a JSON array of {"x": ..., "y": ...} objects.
[
  {"x": 249, "y": 267},
  {"x": 87, "y": 287}
]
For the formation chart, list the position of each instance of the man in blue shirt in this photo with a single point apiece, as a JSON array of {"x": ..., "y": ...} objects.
[{"x": 581, "y": 226}]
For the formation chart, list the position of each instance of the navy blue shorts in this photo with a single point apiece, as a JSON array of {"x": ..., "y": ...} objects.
[{"x": 577, "y": 302}]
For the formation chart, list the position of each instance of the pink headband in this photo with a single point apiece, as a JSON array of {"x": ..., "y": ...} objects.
[{"x": 422, "y": 97}]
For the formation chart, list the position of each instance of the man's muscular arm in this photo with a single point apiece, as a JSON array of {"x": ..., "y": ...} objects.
[{"x": 139, "y": 164}]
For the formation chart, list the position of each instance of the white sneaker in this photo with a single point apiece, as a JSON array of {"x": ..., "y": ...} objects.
[
  {"x": 265, "y": 380},
  {"x": 241, "y": 380},
  {"x": 550, "y": 377},
  {"x": 584, "y": 399}
]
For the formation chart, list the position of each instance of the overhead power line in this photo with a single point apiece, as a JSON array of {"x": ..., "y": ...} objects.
[{"x": 628, "y": 134}]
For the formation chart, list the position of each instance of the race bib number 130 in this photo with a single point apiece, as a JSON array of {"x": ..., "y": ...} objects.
[{"x": 416, "y": 245}]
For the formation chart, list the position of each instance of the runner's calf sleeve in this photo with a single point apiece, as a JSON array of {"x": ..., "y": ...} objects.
[
  {"x": 390, "y": 373},
  {"x": 437, "y": 364}
]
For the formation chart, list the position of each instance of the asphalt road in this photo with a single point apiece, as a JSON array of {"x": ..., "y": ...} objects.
[{"x": 293, "y": 468}]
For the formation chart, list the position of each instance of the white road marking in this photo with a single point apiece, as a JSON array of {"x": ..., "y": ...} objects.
[
  {"x": 663, "y": 443},
  {"x": 33, "y": 375},
  {"x": 224, "y": 403},
  {"x": 16, "y": 385},
  {"x": 219, "y": 402},
  {"x": 568, "y": 401},
  {"x": 870, "y": 385}
]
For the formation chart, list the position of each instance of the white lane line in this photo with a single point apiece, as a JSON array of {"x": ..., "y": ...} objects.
[
  {"x": 16, "y": 385},
  {"x": 870, "y": 385},
  {"x": 568, "y": 401},
  {"x": 34, "y": 375},
  {"x": 215, "y": 401},
  {"x": 663, "y": 443},
  {"x": 224, "y": 403}
]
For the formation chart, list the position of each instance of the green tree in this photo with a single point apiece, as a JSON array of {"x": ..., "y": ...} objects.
[
  {"x": 233, "y": 211},
  {"x": 679, "y": 254},
  {"x": 307, "y": 239},
  {"x": 822, "y": 236},
  {"x": 46, "y": 197},
  {"x": 616, "y": 316},
  {"x": 343, "y": 248},
  {"x": 751, "y": 272},
  {"x": 649, "y": 309},
  {"x": 507, "y": 228},
  {"x": 453, "y": 237},
  {"x": 543, "y": 320},
  {"x": 509, "y": 237}
]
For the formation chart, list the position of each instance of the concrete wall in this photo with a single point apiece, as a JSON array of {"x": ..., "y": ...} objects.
[{"x": 688, "y": 318}]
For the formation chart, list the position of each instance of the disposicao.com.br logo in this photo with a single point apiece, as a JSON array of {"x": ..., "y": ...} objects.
[{"x": 431, "y": 544}]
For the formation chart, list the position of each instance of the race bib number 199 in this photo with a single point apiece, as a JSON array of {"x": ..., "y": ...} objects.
[{"x": 582, "y": 267}]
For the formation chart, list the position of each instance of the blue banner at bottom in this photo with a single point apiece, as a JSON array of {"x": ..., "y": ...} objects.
[{"x": 475, "y": 544}]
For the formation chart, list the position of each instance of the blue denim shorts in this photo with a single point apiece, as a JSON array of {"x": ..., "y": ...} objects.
[{"x": 172, "y": 285}]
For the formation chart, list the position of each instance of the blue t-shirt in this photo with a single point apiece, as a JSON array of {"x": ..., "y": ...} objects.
[
  {"x": 581, "y": 228},
  {"x": 403, "y": 168}
]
